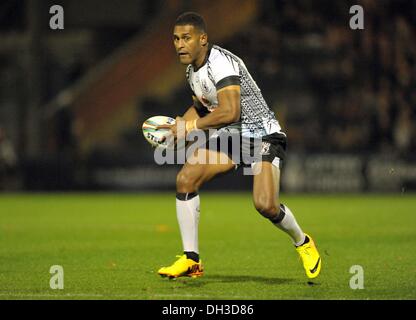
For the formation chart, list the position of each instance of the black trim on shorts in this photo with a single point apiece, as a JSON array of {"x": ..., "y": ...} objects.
[
  {"x": 278, "y": 145},
  {"x": 276, "y": 148}
]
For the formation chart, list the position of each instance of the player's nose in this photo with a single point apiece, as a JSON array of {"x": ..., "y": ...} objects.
[{"x": 181, "y": 44}]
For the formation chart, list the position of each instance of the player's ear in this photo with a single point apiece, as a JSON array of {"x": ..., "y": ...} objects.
[{"x": 203, "y": 38}]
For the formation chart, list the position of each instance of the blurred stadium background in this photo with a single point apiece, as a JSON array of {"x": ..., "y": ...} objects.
[{"x": 71, "y": 100}]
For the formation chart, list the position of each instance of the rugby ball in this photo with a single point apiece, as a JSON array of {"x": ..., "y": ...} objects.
[{"x": 158, "y": 137}]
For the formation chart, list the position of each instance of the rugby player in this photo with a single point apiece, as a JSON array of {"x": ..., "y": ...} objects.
[{"x": 226, "y": 98}]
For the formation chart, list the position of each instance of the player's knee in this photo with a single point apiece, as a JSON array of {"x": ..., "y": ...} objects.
[
  {"x": 267, "y": 207},
  {"x": 186, "y": 181}
]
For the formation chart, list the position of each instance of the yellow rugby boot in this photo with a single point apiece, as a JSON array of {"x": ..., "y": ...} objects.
[
  {"x": 310, "y": 258},
  {"x": 183, "y": 267}
]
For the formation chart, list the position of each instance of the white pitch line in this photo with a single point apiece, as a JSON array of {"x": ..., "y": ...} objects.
[
  {"x": 50, "y": 295},
  {"x": 39, "y": 295},
  {"x": 202, "y": 296}
]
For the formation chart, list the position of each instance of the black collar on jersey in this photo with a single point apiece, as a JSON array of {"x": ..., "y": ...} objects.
[{"x": 206, "y": 57}]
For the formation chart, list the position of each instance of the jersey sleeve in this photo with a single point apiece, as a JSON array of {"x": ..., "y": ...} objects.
[{"x": 224, "y": 71}]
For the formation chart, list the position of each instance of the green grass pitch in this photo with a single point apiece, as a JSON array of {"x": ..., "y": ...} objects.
[{"x": 111, "y": 245}]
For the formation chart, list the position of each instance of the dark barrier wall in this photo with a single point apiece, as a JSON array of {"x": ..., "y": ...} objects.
[{"x": 300, "y": 173}]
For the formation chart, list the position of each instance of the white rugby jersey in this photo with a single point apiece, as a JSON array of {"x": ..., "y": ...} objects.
[{"x": 221, "y": 68}]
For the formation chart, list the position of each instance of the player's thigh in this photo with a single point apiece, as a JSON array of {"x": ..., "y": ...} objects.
[
  {"x": 203, "y": 165},
  {"x": 266, "y": 185}
]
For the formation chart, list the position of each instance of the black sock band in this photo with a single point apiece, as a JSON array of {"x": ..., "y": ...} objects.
[
  {"x": 305, "y": 241},
  {"x": 186, "y": 196},
  {"x": 280, "y": 216},
  {"x": 192, "y": 255}
]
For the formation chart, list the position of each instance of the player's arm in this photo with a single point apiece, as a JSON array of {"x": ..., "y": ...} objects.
[
  {"x": 190, "y": 114},
  {"x": 196, "y": 111},
  {"x": 227, "y": 111}
]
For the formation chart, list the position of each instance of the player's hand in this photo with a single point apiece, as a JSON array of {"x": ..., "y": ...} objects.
[{"x": 177, "y": 129}]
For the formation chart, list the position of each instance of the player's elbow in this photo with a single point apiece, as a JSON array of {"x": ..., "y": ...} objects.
[
  {"x": 235, "y": 116},
  {"x": 231, "y": 116},
  {"x": 227, "y": 119}
]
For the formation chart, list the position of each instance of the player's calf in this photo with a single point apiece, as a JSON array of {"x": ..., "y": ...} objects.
[{"x": 267, "y": 207}]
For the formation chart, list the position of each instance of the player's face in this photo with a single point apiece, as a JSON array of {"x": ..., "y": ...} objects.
[{"x": 189, "y": 42}]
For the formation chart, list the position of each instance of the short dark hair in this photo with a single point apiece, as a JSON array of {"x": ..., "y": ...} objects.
[{"x": 193, "y": 19}]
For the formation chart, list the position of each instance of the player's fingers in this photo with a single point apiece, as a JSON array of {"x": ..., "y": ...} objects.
[{"x": 164, "y": 126}]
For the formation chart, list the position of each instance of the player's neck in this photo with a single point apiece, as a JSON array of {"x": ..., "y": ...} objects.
[{"x": 202, "y": 58}]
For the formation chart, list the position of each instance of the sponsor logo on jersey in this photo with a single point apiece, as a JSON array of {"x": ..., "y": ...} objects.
[
  {"x": 205, "y": 88},
  {"x": 265, "y": 148}
]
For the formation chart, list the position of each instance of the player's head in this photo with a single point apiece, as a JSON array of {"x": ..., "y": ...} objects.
[{"x": 190, "y": 38}]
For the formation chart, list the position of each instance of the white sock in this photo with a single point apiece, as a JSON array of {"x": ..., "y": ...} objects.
[
  {"x": 289, "y": 225},
  {"x": 187, "y": 212}
]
